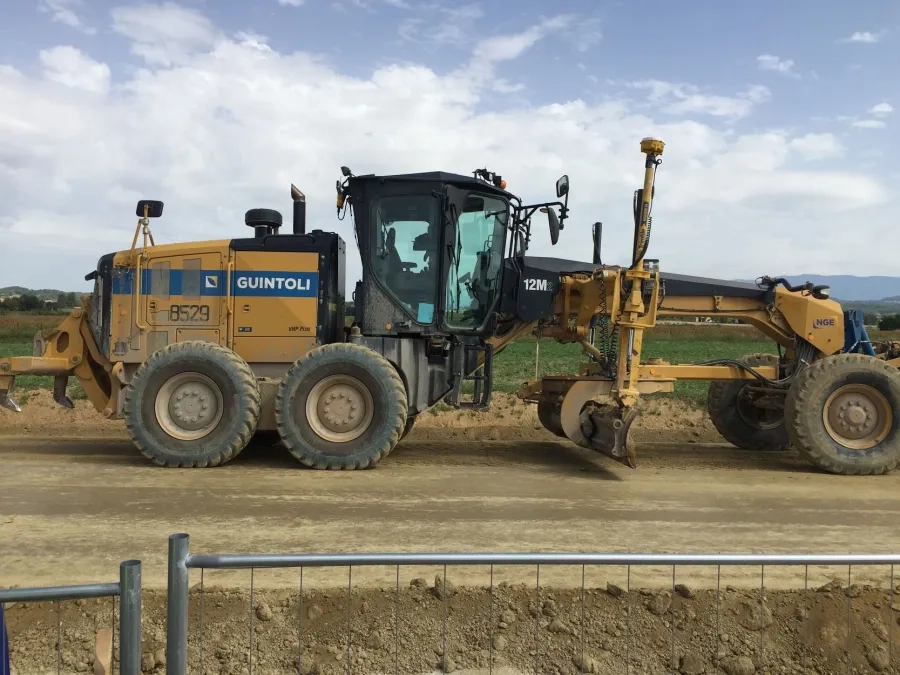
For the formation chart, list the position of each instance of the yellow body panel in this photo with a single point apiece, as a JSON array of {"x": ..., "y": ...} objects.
[
  {"x": 272, "y": 350},
  {"x": 275, "y": 315},
  {"x": 262, "y": 304},
  {"x": 821, "y": 322}
]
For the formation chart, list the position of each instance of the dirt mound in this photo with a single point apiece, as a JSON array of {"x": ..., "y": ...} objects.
[
  {"x": 429, "y": 626},
  {"x": 42, "y": 416},
  {"x": 507, "y": 419}
]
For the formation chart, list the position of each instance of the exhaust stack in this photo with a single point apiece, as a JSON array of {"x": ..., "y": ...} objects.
[{"x": 299, "y": 210}]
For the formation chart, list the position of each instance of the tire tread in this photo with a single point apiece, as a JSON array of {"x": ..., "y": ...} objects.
[
  {"x": 720, "y": 403},
  {"x": 315, "y": 460},
  {"x": 808, "y": 438},
  {"x": 248, "y": 391}
]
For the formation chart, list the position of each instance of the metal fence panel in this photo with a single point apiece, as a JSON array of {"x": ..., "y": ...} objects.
[
  {"x": 181, "y": 561},
  {"x": 128, "y": 590}
]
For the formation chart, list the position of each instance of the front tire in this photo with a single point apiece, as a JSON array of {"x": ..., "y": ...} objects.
[
  {"x": 341, "y": 406},
  {"x": 740, "y": 422},
  {"x": 192, "y": 404},
  {"x": 843, "y": 414}
]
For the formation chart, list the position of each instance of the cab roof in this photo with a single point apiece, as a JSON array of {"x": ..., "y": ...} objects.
[{"x": 434, "y": 177}]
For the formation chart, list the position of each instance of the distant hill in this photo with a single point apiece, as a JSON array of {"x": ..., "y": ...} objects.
[
  {"x": 851, "y": 288},
  {"x": 42, "y": 293}
]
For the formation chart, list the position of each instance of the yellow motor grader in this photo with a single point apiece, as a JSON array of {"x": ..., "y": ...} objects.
[{"x": 200, "y": 345}]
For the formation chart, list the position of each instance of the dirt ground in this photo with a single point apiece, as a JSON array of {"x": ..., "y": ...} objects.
[
  {"x": 433, "y": 625},
  {"x": 76, "y": 499}
]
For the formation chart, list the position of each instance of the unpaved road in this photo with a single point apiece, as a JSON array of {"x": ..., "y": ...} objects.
[{"x": 71, "y": 509}]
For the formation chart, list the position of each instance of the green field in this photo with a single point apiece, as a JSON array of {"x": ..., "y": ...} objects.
[
  {"x": 516, "y": 363},
  {"x": 690, "y": 343},
  {"x": 16, "y": 332}
]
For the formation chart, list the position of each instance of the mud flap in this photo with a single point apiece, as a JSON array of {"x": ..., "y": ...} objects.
[{"x": 608, "y": 430}]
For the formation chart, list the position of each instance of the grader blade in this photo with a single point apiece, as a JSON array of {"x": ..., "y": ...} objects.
[{"x": 608, "y": 430}]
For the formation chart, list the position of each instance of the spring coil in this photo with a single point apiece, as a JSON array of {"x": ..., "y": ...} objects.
[{"x": 606, "y": 336}]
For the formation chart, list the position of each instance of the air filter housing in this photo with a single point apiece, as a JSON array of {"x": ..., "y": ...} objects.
[{"x": 263, "y": 221}]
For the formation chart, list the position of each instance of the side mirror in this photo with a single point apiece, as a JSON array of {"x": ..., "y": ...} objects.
[
  {"x": 554, "y": 224},
  {"x": 562, "y": 186}
]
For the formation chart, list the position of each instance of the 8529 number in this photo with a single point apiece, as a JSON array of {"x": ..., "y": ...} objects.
[{"x": 189, "y": 313}]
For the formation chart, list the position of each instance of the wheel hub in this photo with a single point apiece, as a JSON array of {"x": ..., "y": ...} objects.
[
  {"x": 339, "y": 408},
  {"x": 858, "y": 416},
  {"x": 761, "y": 417},
  {"x": 189, "y": 406}
]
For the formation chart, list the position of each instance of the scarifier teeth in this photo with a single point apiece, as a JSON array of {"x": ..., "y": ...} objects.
[
  {"x": 59, "y": 392},
  {"x": 7, "y": 402},
  {"x": 608, "y": 429},
  {"x": 65, "y": 402}
]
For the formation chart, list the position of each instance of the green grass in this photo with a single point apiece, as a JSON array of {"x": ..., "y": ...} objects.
[
  {"x": 691, "y": 343},
  {"x": 516, "y": 363},
  {"x": 28, "y": 383},
  {"x": 21, "y": 327}
]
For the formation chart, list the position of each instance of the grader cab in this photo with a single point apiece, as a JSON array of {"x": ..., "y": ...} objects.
[{"x": 198, "y": 346}]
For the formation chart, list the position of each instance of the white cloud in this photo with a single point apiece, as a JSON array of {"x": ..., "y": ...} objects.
[
  {"x": 863, "y": 36},
  {"x": 291, "y": 3},
  {"x": 164, "y": 34},
  {"x": 774, "y": 63},
  {"x": 508, "y": 47},
  {"x": 869, "y": 124},
  {"x": 439, "y": 25},
  {"x": 216, "y": 124},
  {"x": 502, "y": 86},
  {"x": 817, "y": 146},
  {"x": 585, "y": 34},
  {"x": 71, "y": 67},
  {"x": 680, "y": 99},
  {"x": 881, "y": 109},
  {"x": 63, "y": 11}
]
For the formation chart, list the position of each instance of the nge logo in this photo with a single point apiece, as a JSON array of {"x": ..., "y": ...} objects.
[{"x": 824, "y": 323}]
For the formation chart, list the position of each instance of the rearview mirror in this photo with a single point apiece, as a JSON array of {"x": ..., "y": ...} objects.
[
  {"x": 562, "y": 186},
  {"x": 554, "y": 224}
]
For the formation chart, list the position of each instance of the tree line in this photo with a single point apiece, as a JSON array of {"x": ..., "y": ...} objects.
[
  {"x": 889, "y": 322},
  {"x": 29, "y": 302}
]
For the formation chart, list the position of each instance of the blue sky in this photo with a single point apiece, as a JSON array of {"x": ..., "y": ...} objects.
[{"x": 779, "y": 119}]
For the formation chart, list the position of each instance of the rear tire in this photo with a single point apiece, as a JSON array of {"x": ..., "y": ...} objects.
[
  {"x": 843, "y": 415},
  {"x": 192, "y": 404},
  {"x": 738, "y": 421},
  {"x": 341, "y": 406},
  {"x": 549, "y": 416}
]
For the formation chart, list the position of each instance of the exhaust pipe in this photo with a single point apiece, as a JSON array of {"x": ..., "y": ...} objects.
[{"x": 299, "y": 210}]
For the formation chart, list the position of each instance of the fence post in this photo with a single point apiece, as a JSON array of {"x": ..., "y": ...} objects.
[
  {"x": 177, "y": 605},
  {"x": 130, "y": 617}
]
